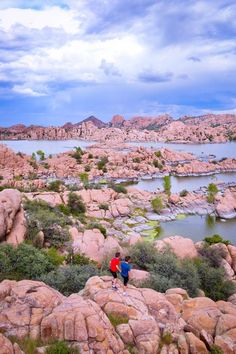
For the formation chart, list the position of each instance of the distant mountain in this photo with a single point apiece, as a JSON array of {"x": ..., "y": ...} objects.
[
  {"x": 97, "y": 122},
  {"x": 141, "y": 122}
]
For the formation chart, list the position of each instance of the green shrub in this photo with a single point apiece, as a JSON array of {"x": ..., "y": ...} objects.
[
  {"x": 87, "y": 168},
  {"x": 119, "y": 188},
  {"x": 116, "y": 320},
  {"x": 213, "y": 284},
  {"x": 143, "y": 255},
  {"x": 212, "y": 191},
  {"x": 158, "y": 153},
  {"x": 167, "y": 184},
  {"x": 70, "y": 279},
  {"x": 64, "y": 209},
  {"x": 102, "y": 162},
  {"x": 90, "y": 156},
  {"x": 76, "y": 204},
  {"x": 167, "y": 338},
  {"x": 61, "y": 347},
  {"x": 157, "y": 164},
  {"x": 136, "y": 159},
  {"x": 55, "y": 257},
  {"x": 157, "y": 204},
  {"x": 77, "y": 154},
  {"x": 213, "y": 256},
  {"x": 183, "y": 193},
  {"x": 96, "y": 225},
  {"x": 215, "y": 350},
  {"x": 55, "y": 186},
  {"x": 41, "y": 216},
  {"x": 211, "y": 240},
  {"x": 78, "y": 259},
  {"x": 104, "y": 206},
  {"x": 28, "y": 345},
  {"x": 84, "y": 177},
  {"x": 41, "y": 155}
]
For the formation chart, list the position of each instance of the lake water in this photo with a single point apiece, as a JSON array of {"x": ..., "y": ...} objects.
[
  {"x": 57, "y": 146},
  {"x": 48, "y": 146},
  {"x": 197, "y": 227},
  {"x": 189, "y": 183},
  {"x": 219, "y": 150}
]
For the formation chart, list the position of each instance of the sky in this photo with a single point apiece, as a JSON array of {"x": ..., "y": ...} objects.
[{"x": 64, "y": 60}]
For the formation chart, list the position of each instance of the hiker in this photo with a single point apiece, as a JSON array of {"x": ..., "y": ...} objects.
[
  {"x": 114, "y": 269},
  {"x": 125, "y": 269}
]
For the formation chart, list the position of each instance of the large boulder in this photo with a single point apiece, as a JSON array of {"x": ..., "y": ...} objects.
[
  {"x": 226, "y": 207},
  {"x": 183, "y": 247},
  {"x": 11, "y": 215}
]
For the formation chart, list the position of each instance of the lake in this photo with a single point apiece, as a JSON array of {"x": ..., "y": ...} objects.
[
  {"x": 219, "y": 150},
  {"x": 197, "y": 227},
  {"x": 189, "y": 183},
  {"x": 48, "y": 146},
  {"x": 56, "y": 146}
]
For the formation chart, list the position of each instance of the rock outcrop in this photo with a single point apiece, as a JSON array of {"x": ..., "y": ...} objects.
[
  {"x": 12, "y": 220},
  {"x": 101, "y": 320}
]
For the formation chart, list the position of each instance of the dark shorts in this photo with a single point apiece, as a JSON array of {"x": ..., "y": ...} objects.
[
  {"x": 125, "y": 279},
  {"x": 114, "y": 274}
]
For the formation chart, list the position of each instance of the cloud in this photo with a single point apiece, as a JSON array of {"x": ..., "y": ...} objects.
[
  {"x": 130, "y": 51},
  {"x": 154, "y": 77},
  {"x": 109, "y": 69}
]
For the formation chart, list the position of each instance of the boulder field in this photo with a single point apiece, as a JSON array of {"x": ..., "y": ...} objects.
[{"x": 100, "y": 320}]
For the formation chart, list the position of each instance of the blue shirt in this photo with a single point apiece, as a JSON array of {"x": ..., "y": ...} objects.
[{"x": 125, "y": 268}]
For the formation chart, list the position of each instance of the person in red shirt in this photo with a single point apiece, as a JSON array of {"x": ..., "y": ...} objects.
[{"x": 114, "y": 269}]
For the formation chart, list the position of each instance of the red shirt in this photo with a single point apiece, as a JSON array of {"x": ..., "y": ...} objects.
[{"x": 114, "y": 263}]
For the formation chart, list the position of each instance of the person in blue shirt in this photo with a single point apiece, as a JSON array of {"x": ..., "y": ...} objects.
[{"x": 125, "y": 269}]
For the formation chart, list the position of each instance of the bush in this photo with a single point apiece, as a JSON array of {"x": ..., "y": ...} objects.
[
  {"x": 212, "y": 191},
  {"x": 215, "y": 350},
  {"x": 76, "y": 204},
  {"x": 87, "y": 168},
  {"x": 70, "y": 279},
  {"x": 41, "y": 155},
  {"x": 84, "y": 177},
  {"x": 61, "y": 347},
  {"x": 42, "y": 217},
  {"x": 158, "y": 153},
  {"x": 55, "y": 257},
  {"x": 90, "y": 156},
  {"x": 55, "y": 186},
  {"x": 64, "y": 209},
  {"x": 211, "y": 240},
  {"x": 157, "y": 204},
  {"x": 157, "y": 164},
  {"x": 213, "y": 283},
  {"x": 102, "y": 162},
  {"x": 183, "y": 193},
  {"x": 119, "y": 188},
  {"x": 95, "y": 225},
  {"x": 143, "y": 255},
  {"x": 78, "y": 259},
  {"x": 116, "y": 320},
  {"x": 136, "y": 159},
  {"x": 77, "y": 154},
  {"x": 104, "y": 206},
  {"x": 167, "y": 184},
  {"x": 213, "y": 256}
]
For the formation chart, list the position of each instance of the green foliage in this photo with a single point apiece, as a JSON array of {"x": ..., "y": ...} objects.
[
  {"x": 213, "y": 256},
  {"x": 143, "y": 255},
  {"x": 212, "y": 191},
  {"x": 167, "y": 338},
  {"x": 33, "y": 156},
  {"x": 54, "y": 256},
  {"x": 41, "y": 154},
  {"x": 116, "y": 320},
  {"x": 78, "y": 259},
  {"x": 104, "y": 206},
  {"x": 96, "y": 225},
  {"x": 42, "y": 217},
  {"x": 77, "y": 154},
  {"x": 23, "y": 262},
  {"x": 64, "y": 209},
  {"x": 102, "y": 162},
  {"x": 76, "y": 204},
  {"x": 87, "y": 168},
  {"x": 215, "y": 350},
  {"x": 84, "y": 177},
  {"x": 55, "y": 186},
  {"x": 157, "y": 204},
  {"x": 213, "y": 283},
  {"x": 167, "y": 184},
  {"x": 136, "y": 159},
  {"x": 61, "y": 347},
  {"x": 70, "y": 279},
  {"x": 211, "y": 240},
  {"x": 157, "y": 164},
  {"x": 158, "y": 153},
  {"x": 183, "y": 193},
  {"x": 28, "y": 345},
  {"x": 119, "y": 188}
]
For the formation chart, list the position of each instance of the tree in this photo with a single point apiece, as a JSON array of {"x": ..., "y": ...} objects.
[
  {"x": 157, "y": 204},
  {"x": 212, "y": 191},
  {"x": 41, "y": 154},
  {"x": 167, "y": 184}
]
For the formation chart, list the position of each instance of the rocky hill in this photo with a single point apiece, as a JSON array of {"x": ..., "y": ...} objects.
[
  {"x": 101, "y": 320},
  {"x": 203, "y": 129}
]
